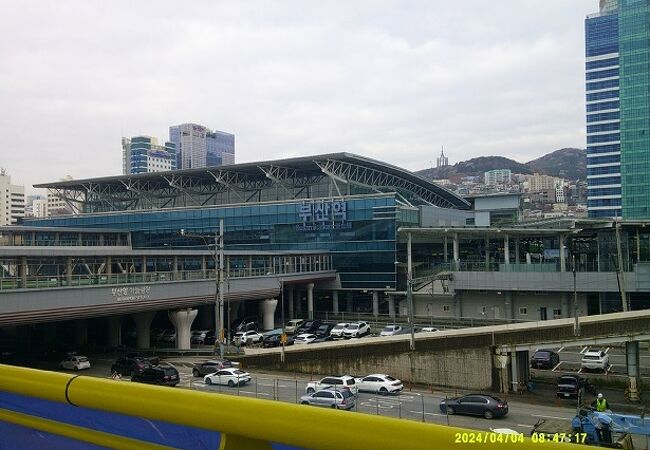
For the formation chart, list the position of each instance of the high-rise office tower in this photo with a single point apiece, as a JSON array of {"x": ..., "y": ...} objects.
[
  {"x": 618, "y": 109},
  {"x": 142, "y": 154},
  {"x": 198, "y": 146},
  {"x": 12, "y": 200}
]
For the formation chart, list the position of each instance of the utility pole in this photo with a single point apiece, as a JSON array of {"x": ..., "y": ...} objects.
[
  {"x": 409, "y": 291},
  {"x": 576, "y": 324}
]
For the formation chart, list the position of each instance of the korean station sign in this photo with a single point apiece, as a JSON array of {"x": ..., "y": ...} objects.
[
  {"x": 131, "y": 293},
  {"x": 321, "y": 215}
]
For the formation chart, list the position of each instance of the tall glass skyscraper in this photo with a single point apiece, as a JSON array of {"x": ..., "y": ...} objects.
[
  {"x": 197, "y": 146},
  {"x": 142, "y": 154},
  {"x": 617, "y": 42}
]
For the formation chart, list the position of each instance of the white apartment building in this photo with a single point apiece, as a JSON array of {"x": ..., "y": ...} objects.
[{"x": 12, "y": 200}]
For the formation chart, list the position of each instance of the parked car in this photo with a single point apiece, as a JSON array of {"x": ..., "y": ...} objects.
[
  {"x": 329, "y": 398},
  {"x": 324, "y": 329},
  {"x": 475, "y": 405},
  {"x": 210, "y": 337},
  {"x": 309, "y": 326},
  {"x": 274, "y": 340},
  {"x": 198, "y": 336},
  {"x": 428, "y": 329},
  {"x": 338, "y": 329},
  {"x": 306, "y": 338},
  {"x": 125, "y": 365},
  {"x": 390, "y": 330},
  {"x": 228, "y": 377},
  {"x": 247, "y": 337},
  {"x": 164, "y": 375},
  {"x": 568, "y": 386},
  {"x": 292, "y": 326},
  {"x": 169, "y": 336},
  {"x": 211, "y": 366},
  {"x": 379, "y": 383},
  {"x": 246, "y": 324},
  {"x": 335, "y": 382},
  {"x": 544, "y": 359},
  {"x": 75, "y": 362},
  {"x": 356, "y": 329},
  {"x": 595, "y": 360},
  {"x": 325, "y": 338},
  {"x": 152, "y": 358}
]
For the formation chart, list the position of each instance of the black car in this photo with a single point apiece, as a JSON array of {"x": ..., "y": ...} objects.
[
  {"x": 568, "y": 386},
  {"x": 308, "y": 327},
  {"x": 153, "y": 359},
  {"x": 128, "y": 366},
  {"x": 544, "y": 359},
  {"x": 273, "y": 340},
  {"x": 165, "y": 375},
  {"x": 475, "y": 405},
  {"x": 209, "y": 337},
  {"x": 210, "y": 366},
  {"x": 324, "y": 329}
]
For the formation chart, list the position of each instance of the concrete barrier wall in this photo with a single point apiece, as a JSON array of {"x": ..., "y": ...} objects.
[{"x": 469, "y": 368}]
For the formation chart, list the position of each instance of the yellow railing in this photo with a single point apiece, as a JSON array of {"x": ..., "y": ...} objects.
[{"x": 244, "y": 423}]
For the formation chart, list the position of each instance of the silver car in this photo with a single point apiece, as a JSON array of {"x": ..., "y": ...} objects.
[{"x": 330, "y": 398}]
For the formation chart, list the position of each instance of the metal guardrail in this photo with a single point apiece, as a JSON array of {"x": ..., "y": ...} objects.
[
  {"x": 244, "y": 423},
  {"x": 43, "y": 282}
]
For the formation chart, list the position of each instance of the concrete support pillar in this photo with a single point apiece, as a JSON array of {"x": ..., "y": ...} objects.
[
  {"x": 529, "y": 259},
  {"x": 516, "y": 251},
  {"x": 564, "y": 305},
  {"x": 506, "y": 249},
  {"x": 562, "y": 255},
  {"x": 391, "y": 306},
  {"x": 348, "y": 302},
  {"x": 23, "y": 272},
  {"x": 514, "y": 373},
  {"x": 57, "y": 238},
  {"x": 375, "y": 303},
  {"x": 335, "y": 302},
  {"x": 144, "y": 264},
  {"x": 444, "y": 248},
  {"x": 80, "y": 332},
  {"x": 109, "y": 265},
  {"x": 487, "y": 251},
  {"x": 290, "y": 302},
  {"x": 79, "y": 239},
  {"x": 310, "y": 301},
  {"x": 508, "y": 305},
  {"x": 68, "y": 271},
  {"x": 143, "y": 328},
  {"x": 456, "y": 252},
  {"x": 175, "y": 271},
  {"x": 114, "y": 331},
  {"x": 101, "y": 239},
  {"x": 458, "y": 305},
  {"x": 633, "y": 371},
  {"x": 267, "y": 311},
  {"x": 182, "y": 320},
  {"x": 204, "y": 267}
]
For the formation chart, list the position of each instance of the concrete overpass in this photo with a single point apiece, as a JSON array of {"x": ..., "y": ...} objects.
[{"x": 492, "y": 357}]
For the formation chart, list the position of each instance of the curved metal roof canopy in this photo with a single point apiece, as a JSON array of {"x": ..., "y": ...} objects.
[{"x": 339, "y": 174}]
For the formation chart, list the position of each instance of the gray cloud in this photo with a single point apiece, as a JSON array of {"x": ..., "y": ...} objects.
[{"x": 390, "y": 80}]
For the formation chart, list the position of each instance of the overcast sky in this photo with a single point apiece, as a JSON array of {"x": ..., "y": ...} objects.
[{"x": 393, "y": 81}]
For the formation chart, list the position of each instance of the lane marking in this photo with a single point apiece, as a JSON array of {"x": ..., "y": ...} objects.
[
  {"x": 584, "y": 349},
  {"x": 607, "y": 349},
  {"x": 427, "y": 413},
  {"x": 556, "y": 367},
  {"x": 525, "y": 425},
  {"x": 561, "y": 348},
  {"x": 253, "y": 393}
]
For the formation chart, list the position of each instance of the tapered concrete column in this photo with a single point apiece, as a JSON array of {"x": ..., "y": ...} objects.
[
  {"x": 348, "y": 302},
  {"x": 114, "y": 331},
  {"x": 335, "y": 302},
  {"x": 507, "y": 305},
  {"x": 310, "y": 300},
  {"x": 80, "y": 332},
  {"x": 23, "y": 272},
  {"x": 391, "y": 306},
  {"x": 456, "y": 251},
  {"x": 267, "y": 311},
  {"x": 143, "y": 328},
  {"x": 375, "y": 303},
  {"x": 506, "y": 249},
  {"x": 101, "y": 239},
  {"x": 68, "y": 271},
  {"x": 204, "y": 267},
  {"x": 109, "y": 265},
  {"x": 182, "y": 320},
  {"x": 444, "y": 248},
  {"x": 562, "y": 256},
  {"x": 175, "y": 271},
  {"x": 144, "y": 264},
  {"x": 290, "y": 301}
]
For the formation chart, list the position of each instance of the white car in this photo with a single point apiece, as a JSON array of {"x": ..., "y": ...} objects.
[
  {"x": 335, "y": 382},
  {"x": 390, "y": 330},
  {"x": 595, "y": 360},
  {"x": 292, "y": 325},
  {"x": 228, "y": 377},
  {"x": 247, "y": 337},
  {"x": 339, "y": 329},
  {"x": 305, "y": 338},
  {"x": 75, "y": 362},
  {"x": 379, "y": 383},
  {"x": 356, "y": 329},
  {"x": 428, "y": 329}
]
